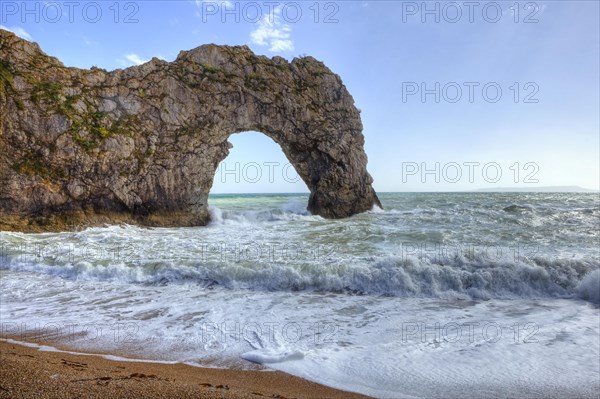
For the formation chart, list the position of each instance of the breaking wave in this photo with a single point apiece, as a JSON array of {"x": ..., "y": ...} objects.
[{"x": 451, "y": 277}]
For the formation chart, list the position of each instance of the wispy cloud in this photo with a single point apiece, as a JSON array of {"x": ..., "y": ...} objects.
[
  {"x": 273, "y": 33},
  {"x": 89, "y": 42},
  {"x": 132, "y": 59},
  {"x": 18, "y": 31}
]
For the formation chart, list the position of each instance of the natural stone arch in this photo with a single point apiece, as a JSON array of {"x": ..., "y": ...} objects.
[{"x": 142, "y": 144}]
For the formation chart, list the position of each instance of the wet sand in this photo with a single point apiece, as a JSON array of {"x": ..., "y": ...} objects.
[{"x": 29, "y": 373}]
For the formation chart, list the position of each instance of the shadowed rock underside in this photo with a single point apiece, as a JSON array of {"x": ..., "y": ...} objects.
[{"x": 141, "y": 145}]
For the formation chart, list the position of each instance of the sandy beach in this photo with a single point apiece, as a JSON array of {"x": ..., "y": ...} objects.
[{"x": 29, "y": 373}]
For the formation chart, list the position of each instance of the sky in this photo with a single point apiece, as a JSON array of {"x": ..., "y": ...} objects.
[{"x": 454, "y": 96}]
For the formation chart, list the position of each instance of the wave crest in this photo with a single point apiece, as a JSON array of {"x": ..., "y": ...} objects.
[{"x": 450, "y": 277}]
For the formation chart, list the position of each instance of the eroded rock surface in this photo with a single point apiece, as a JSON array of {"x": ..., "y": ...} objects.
[{"x": 141, "y": 145}]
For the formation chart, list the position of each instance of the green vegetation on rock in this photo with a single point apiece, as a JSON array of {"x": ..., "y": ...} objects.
[
  {"x": 6, "y": 77},
  {"x": 91, "y": 128},
  {"x": 255, "y": 81},
  {"x": 209, "y": 69},
  {"x": 47, "y": 91},
  {"x": 35, "y": 165}
]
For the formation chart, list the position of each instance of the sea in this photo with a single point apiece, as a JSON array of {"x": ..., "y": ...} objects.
[{"x": 438, "y": 295}]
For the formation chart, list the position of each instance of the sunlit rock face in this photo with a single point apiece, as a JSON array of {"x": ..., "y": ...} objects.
[{"x": 141, "y": 145}]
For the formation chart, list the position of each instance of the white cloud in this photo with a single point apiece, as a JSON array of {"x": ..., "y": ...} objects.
[
  {"x": 281, "y": 45},
  {"x": 273, "y": 33},
  {"x": 132, "y": 59},
  {"x": 18, "y": 31}
]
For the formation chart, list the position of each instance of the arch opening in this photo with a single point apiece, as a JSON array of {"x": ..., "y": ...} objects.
[{"x": 256, "y": 164}]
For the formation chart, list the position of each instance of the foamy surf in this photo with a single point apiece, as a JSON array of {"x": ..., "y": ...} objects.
[
  {"x": 435, "y": 295},
  {"x": 288, "y": 212},
  {"x": 449, "y": 277},
  {"x": 381, "y": 346},
  {"x": 271, "y": 356}
]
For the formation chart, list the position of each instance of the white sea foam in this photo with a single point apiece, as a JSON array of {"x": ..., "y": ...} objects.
[
  {"x": 48, "y": 348},
  {"x": 452, "y": 277},
  {"x": 288, "y": 212},
  {"x": 589, "y": 287},
  {"x": 270, "y": 356},
  {"x": 216, "y": 215},
  {"x": 368, "y": 304},
  {"x": 381, "y": 346}
]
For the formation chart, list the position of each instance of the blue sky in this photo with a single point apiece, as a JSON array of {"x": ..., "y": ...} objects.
[{"x": 542, "y": 130}]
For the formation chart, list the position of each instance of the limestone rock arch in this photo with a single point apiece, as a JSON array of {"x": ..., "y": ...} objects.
[{"x": 141, "y": 145}]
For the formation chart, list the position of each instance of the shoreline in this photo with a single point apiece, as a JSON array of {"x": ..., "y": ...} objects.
[{"x": 28, "y": 370}]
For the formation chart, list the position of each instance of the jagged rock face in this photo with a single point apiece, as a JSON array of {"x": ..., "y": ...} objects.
[{"x": 141, "y": 145}]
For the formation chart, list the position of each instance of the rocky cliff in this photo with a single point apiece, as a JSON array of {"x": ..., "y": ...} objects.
[{"x": 141, "y": 145}]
